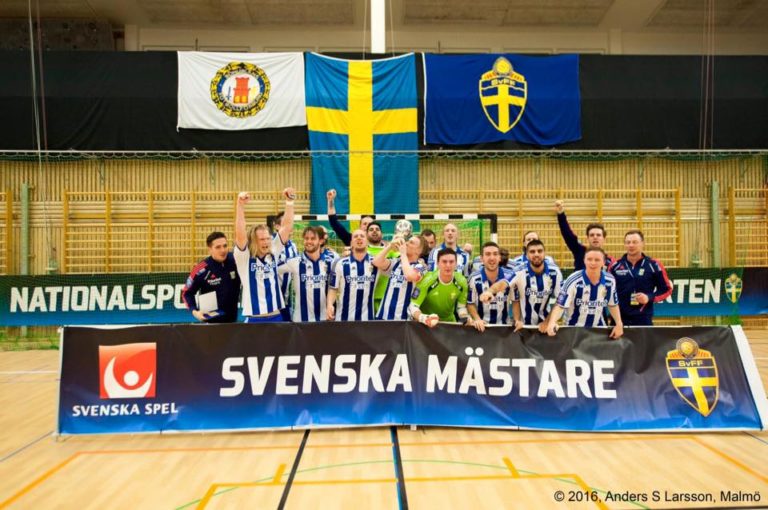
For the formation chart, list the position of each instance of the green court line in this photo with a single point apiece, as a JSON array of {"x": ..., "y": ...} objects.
[{"x": 428, "y": 461}]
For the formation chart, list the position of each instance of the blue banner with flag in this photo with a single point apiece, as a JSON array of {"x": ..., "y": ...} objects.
[
  {"x": 490, "y": 98},
  {"x": 362, "y": 120}
]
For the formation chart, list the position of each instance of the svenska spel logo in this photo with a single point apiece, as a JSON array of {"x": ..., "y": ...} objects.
[{"x": 128, "y": 370}]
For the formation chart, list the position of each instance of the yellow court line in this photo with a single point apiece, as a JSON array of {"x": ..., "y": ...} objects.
[
  {"x": 576, "y": 478},
  {"x": 511, "y": 467},
  {"x": 276, "y": 480},
  {"x": 55, "y": 469},
  {"x": 344, "y": 482},
  {"x": 188, "y": 450},
  {"x": 38, "y": 481},
  {"x": 654, "y": 437},
  {"x": 207, "y": 497},
  {"x": 731, "y": 460},
  {"x": 278, "y": 474}
]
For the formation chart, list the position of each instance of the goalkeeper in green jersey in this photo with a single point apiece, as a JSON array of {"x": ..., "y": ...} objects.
[{"x": 442, "y": 294}]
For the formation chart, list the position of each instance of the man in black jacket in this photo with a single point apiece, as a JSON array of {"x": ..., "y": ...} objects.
[{"x": 595, "y": 236}]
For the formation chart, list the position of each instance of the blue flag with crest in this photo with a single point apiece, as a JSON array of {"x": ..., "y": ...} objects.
[{"x": 492, "y": 97}]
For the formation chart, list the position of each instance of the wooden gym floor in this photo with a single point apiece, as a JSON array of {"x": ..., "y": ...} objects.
[{"x": 358, "y": 468}]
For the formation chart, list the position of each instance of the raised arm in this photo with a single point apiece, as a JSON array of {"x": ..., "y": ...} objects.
[
  {"x": 341, "y": 232},
  {"x": 381, "y": 261},
  {"x": 411, "y": 274},
  {"x": 571, "y": 239},
  {"x": 286, "y": 228},
  {"x": 241, "y": 235}
]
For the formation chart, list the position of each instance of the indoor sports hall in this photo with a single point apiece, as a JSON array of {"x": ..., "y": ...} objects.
[{"x": 383, "y": 254}]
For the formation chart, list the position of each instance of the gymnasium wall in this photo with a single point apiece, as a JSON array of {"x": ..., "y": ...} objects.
[{"x": 520, "y": 190}]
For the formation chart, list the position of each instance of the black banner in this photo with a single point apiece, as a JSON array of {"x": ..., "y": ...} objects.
[
  {"x": 267, "y": 376},
  {"x": 127, "y": 101}
]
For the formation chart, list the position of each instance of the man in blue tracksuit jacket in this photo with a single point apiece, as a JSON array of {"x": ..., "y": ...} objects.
[
  {"x": 216, "y": 273},
  {"x": 640, "y": 282}
]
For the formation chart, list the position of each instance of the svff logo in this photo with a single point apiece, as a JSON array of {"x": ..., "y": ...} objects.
[{"x": 128, "y": 370}]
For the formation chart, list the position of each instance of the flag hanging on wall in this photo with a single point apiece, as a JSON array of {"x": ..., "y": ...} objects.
[
  {"x": 361, "y": 116},
  {"x": 490, "y": 98},
  {"x": 234, "y": 91}
]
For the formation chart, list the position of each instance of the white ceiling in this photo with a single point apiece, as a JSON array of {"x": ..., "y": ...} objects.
[{"x": 749, "y": 15}]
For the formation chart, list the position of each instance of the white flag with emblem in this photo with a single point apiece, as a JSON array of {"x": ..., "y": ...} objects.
[{"x": 234, "y": 91}]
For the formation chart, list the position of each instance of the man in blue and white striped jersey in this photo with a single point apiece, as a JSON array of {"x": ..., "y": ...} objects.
[
  {"x": 584, "y": 296},
  {"x": 451, "y": 240},
  {"x": 532, "y": 288},
  {"x": 256, "y": 256},
  {"x": 494, "y": 310},
  {"x": 352, "y": 282},
  {"x": 519, "y": 262},
  {"x": 404, "y": 272},
  {"x": 309, "y": 274},
  {"x": 289, "y": 251}
]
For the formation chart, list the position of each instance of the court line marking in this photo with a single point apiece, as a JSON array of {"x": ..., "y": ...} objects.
[
  {"x": 402, "y": 495},
  {"x": 576, "y": 478},
  {"x": 756, "y": 437},
  {"x": 730, "y": 459},
  {"x": 275, "y": 480},
  {"x": 52, "y": 471},
  {"x": 21, "y": 449},
  {"x": 41, "y": 479},
  {"x": 294, "y": 467},
  {"x": 25, "y": 372},
  {"x": 330, "y": 466}
]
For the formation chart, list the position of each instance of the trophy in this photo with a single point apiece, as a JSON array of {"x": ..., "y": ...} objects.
[{"x": 403, "y": 229}]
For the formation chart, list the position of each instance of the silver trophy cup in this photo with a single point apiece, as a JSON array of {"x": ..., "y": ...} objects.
[{"x": 404, "y": 229}]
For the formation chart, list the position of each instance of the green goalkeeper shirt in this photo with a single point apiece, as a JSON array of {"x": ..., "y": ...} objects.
[{"x": 433, "y": 296}]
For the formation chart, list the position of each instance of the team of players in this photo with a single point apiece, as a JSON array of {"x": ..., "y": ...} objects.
[{"x": 415, "y": 278}]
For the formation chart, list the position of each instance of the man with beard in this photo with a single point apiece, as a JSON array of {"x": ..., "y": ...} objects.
[
  {"x": 533, "y": 286},
  {"x": 429, "y": 236},
  {"x": 309, "y": 279},
  {"x": 493, "y": 310},
  {"x": 519, "y": 262},
  {"x": 352, "y": 282}
]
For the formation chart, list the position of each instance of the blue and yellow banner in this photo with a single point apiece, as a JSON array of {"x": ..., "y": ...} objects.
[
  {"x": 362, "y": 120},
  {"x": 491, "y": 98}
]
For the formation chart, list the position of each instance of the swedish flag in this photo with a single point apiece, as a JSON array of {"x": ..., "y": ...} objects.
[{"x": 366, "y": 113}]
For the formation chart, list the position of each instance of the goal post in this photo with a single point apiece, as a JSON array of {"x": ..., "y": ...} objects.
[{"x": 475, "y": 228}]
